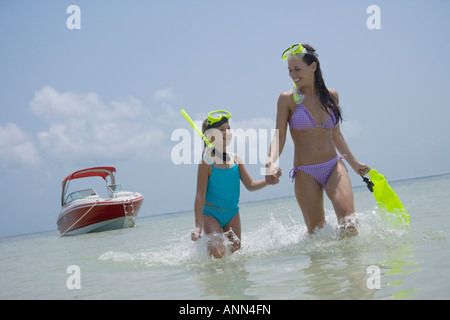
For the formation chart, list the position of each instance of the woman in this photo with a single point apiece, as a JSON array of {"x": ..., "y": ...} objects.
[{"x": 313, "y": 114}]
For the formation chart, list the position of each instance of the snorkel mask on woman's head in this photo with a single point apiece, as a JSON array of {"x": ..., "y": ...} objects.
[
  {"x": 296, "y": 49},
  {"x": 300, "y": 50},
  {"x": 217, "y": 118}
]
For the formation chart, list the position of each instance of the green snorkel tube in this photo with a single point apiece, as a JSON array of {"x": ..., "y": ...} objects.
[
  {"x": 298, "y": 97},
  {"x": 388, "y": 202},
  {"x": 200, "y": 133},
  {"x": 205, "y": 140}
]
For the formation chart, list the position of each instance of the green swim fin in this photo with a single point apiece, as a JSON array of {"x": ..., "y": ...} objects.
[{"x": 389, "y": 204}]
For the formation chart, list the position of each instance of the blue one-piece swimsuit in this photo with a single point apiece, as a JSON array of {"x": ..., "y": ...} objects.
[{"x": 223, "y": 193}]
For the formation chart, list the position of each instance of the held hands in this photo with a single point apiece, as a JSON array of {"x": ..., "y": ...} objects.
[{"x": 273, "y": 173}]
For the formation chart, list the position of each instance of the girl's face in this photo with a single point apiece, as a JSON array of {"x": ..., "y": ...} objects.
[
  {"x": 220, "y": 136},
  {"x": 300, "y": 72}
]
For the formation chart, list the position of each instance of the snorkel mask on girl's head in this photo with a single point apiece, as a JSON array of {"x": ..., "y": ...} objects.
[
  {"x": 217, "y": 118},
  {"x": 296, "y": 49}
]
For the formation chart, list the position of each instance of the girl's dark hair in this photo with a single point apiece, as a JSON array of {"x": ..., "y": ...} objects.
[
  {"x": 327, "y": 100},
  {"x": 204, "y": 128}
]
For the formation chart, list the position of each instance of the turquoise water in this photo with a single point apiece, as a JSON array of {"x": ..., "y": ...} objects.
[{"x": 157, "y": 259}]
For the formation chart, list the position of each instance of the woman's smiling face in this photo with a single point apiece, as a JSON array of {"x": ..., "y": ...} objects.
[{"x": 300, "y": 72}]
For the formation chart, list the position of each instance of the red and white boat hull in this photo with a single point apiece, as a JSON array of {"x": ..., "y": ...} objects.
[{"x": 96, "y": 214}]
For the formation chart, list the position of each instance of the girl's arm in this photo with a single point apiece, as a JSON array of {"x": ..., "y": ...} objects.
[
  {"x": 249, "y": 183},
  {"x": 202, "y": 183}
]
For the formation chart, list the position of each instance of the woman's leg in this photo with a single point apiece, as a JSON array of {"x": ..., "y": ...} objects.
[
  {"x": 339, "y": 190},
  {"x": 233, "y": 231},
  {"x": 216, "y": 241},
  {"x": 309, "y": 194}
]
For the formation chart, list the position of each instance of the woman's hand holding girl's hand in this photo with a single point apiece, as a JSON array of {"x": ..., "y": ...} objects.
[{"x": 273, "y": 173}]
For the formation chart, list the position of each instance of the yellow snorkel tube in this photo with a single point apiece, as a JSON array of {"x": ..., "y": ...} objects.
[
  {"x": 298, "y": 97},
  {"x": 205, "y": 140},
  {"x": 388, "y": 202},
  {"x": 213, "y": 117}
]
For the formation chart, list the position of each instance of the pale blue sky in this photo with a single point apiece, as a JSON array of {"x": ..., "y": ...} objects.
[{"x": 109, "y": 93}]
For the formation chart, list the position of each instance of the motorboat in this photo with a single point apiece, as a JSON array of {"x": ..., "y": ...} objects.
[{"x": 85, "y": 211}]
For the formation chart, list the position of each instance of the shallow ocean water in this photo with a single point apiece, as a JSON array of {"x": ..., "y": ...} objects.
[{"x": 278, "y": 260}]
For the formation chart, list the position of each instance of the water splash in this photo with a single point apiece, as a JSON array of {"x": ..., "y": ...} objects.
[{"x": 275, "y": 236}]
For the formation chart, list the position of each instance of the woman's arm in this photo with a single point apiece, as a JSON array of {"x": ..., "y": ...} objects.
[
  {"x": 202, "y": 184},
  {"x": 279, "y": 140},
  {"x": 343, "y": 148}
]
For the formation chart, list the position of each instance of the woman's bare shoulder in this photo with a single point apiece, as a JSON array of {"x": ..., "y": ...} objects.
[
  {"x": 334, "y": 93},
  {"x": 286, "y": 94},
  {"x": 286, "y": 98}
]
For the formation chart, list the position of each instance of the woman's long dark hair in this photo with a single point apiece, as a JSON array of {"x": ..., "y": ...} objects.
[{"x": 328, "y": 102}]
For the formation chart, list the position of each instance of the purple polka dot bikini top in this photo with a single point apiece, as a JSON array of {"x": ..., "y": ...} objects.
[{"x": 302, "y": 120}]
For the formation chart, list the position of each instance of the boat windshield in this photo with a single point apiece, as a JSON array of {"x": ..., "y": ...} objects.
[
  {"x": 117, "y": 187},
  {"x": 80, "y": 194}
]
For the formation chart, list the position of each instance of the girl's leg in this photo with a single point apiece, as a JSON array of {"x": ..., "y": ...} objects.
[
  {"x": 339, "y": 190},
  {"x": 309, "y": 194},
  {"x": 214, "y": 232},
  {"x": 233, "y": 231}
]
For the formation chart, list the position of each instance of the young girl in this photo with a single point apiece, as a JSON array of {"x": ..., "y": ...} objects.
[{"x": 218, "y": 188}]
